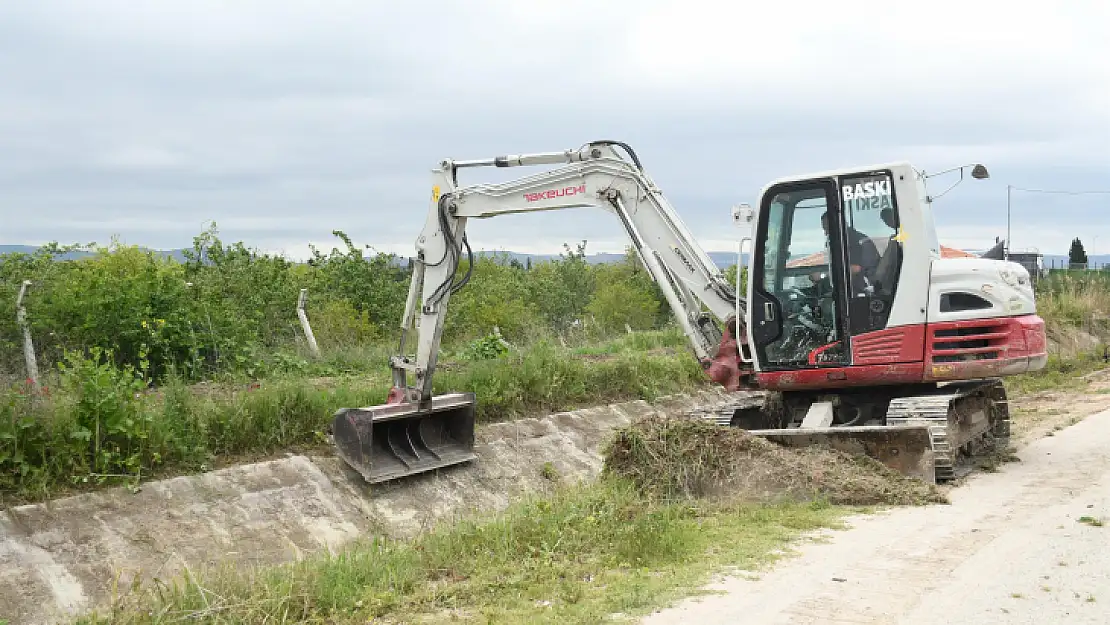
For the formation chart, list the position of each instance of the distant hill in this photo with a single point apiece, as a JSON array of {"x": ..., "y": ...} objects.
[
  {"x": 723, "y": 259},
  {"x": 30, "y": 249}
]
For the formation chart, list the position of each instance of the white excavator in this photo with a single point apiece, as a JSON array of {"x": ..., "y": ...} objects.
[{"x": 854, "y": 331}]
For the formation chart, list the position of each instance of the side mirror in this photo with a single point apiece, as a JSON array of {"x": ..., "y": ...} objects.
[
  {"x": 743, "y": 214},
  {"x": 978, "y": 172}
]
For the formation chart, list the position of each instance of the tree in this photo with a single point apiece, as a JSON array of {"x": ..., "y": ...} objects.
[{"x": 1077, "y": 255}]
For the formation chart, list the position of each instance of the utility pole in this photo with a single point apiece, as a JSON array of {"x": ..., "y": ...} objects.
[{"x": 1011, "y": 187}]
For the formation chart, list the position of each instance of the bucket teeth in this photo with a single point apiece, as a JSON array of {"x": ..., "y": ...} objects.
[{"x": 391, "y": 441}]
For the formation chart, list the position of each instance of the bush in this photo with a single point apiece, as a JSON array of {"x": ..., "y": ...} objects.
[{"x": 94, "y": 426}]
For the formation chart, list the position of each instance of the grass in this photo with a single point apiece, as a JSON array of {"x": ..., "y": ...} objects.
[
  {"x": 671, "y": 338},
  {"x": 586, "y": 552},
  {"x": 1074, "y": 299},
  {"x": 181, "y": 429},
  {"x": 1059, "y": 374},
  {"x": 547, "y": 378},
  {"x": 622, "y": 545}
]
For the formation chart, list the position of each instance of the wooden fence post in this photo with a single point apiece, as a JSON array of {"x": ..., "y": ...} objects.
[
  {"x": 304, "y": 324},
  {"x": 28, "y": 344}
]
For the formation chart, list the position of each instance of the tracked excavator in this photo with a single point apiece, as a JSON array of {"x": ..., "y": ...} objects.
[{"x": 854, "y": 330}]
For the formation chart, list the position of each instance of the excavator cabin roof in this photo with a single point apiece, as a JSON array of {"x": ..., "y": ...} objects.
[
  {"x": 842, "y": 171},
  {"x": 894, "y": 166}
]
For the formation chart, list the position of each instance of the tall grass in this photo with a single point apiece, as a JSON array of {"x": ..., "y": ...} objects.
[
  {"x": 101, "y": 425},
  {"x": 1071, "y": 299},
  {"x": 1061, "y": 373}
]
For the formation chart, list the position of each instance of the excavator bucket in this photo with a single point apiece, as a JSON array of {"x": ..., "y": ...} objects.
[{"x": 394, "y": 440}]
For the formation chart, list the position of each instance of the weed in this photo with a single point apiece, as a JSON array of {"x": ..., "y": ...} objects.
[
  {"x": 1092, "y": 521},
  {"x": 549, "y": 472},
  {"x": 991, "y": 461}
]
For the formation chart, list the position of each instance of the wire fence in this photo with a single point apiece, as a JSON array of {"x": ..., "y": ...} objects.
[{"x": 1062, "y": 265}]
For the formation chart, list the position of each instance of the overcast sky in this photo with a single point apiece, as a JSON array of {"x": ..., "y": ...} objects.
[{"x": 282, "y": 121}]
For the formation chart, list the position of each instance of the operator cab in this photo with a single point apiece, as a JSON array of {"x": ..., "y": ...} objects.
[{"x": 828, "y": 254}]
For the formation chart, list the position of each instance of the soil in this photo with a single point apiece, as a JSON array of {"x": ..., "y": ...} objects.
[{"x": 1041, "y": 414}]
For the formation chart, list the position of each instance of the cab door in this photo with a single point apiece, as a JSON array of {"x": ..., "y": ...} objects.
[{"x": 798, "y": 280}]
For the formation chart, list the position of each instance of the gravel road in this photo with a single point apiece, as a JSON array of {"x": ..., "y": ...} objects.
[{"x": 1010, "y": 549}]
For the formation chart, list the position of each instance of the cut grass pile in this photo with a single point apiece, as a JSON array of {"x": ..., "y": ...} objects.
[{"x": 677, "y": 457}]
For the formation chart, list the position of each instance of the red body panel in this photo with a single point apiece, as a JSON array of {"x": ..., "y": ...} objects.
[
  {"x": 956, "y": 350},
  {"x": 839, "y": 377},
  {"x": 901, "y": 344},
  {"x": 960, "y": 350}
]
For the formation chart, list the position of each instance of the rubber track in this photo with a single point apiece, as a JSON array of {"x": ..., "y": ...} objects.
[
  {"x": 935, "y": 410},
  {"x": 722, "y": 414},
  {"x": 938, "y": 410}
]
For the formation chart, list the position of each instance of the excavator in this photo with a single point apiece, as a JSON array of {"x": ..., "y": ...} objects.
[{"x": 854, "y": 330}]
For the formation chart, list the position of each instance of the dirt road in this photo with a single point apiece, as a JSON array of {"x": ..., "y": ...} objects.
[{"x": 1013, "y": 547}]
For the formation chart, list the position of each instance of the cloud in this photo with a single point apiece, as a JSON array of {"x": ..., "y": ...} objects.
[{"x": 282, "y": 121}]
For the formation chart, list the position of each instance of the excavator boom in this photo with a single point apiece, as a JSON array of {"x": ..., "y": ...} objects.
[{"x": 415, "y": 431}]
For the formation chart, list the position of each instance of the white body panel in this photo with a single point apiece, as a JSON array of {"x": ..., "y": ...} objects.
[{"x": 1003, "y": 286}]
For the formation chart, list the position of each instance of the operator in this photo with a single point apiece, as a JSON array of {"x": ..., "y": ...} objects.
[{"x": 863, "y": 256}]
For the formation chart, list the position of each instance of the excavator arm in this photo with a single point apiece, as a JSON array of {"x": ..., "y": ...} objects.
[
  {"x": 416, "y": 431},
  {"x": 593, "y": 176}
]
